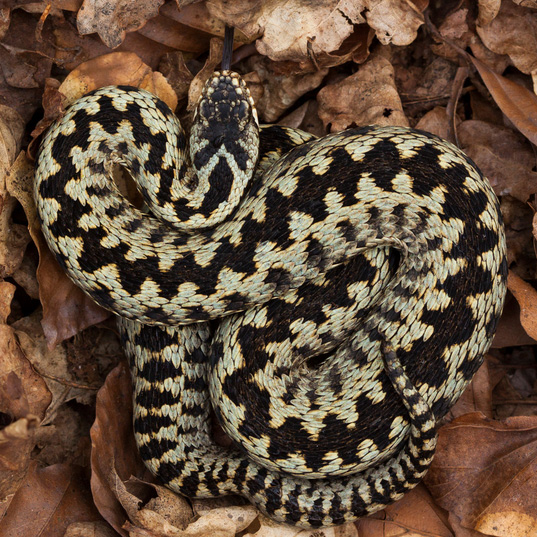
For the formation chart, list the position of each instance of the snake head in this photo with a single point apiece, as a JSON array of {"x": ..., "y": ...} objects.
[
  {"x": 225, "y": 108},
  {"x": 225, "y": 123}
]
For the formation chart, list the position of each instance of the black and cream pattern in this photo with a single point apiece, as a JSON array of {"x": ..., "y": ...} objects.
[{"x": 329, "y": 298}]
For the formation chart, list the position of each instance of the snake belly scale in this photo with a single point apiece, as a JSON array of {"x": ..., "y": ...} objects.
[{"x": 328, "y": 298}]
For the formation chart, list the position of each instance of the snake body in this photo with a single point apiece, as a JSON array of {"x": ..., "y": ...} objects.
[{"x": 356, "y": 280}]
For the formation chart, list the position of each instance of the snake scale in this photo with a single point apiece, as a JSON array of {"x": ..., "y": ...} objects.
[{"x": 329, "y": 299}]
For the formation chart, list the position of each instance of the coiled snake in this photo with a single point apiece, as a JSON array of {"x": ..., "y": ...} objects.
[{"x": 357, "y": 280}]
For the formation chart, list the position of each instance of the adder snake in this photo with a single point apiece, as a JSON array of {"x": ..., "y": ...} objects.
[{"x": 330, "y": 298}]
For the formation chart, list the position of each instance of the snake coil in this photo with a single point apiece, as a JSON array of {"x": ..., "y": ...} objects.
[{"x": 356, "y": 280}]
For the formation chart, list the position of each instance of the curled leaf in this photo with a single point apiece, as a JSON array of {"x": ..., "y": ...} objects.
[
  {"x": 515, "y": 101},
  {"x": 526, "y": 297}
]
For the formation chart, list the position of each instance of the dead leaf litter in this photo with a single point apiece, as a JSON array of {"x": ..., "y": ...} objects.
[{"x": 466, "y": 71}]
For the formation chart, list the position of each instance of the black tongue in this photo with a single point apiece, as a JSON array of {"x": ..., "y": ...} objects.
[{"x": 228, "y": 48}]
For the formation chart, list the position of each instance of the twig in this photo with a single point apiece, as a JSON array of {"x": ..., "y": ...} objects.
[
  {"x": 69, "y": 383},
  {"x": 451, "y": 108},
  {"x": 515, "y": 402}
]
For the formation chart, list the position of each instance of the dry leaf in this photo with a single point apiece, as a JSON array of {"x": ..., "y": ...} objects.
[
  {"x": 508, "y": 524},
  {"x": 306, "y": 118},
  {"x": 510, "y": 332},
  {"x": 114, "y": 456},
  {"x": 491, "y": 485},
  {"x": 225, "y": 507},
  {"x": 187, "y": 28},
  {"x": 297, "y": 31},
  {"x": 196, "y": 86},
  {"x": 25, "y": 64},
  {"x": 526, "y": 3},
  {"x": 369, "y": 97},
  {"x": 54, "y": 496},
  {"x": 165, "y": 510},
  {"x": 113, "y": 19},
  {"x": 515, "y": 101},
  {"x": 16, "y": 443},
  {"x": 415, "y": 515},
  {"x": 22, "y": 391},
  {"x": 23, "y": 396},
  {"x": 197, "y": 18},
  {"x": 89, "y": 529},
  {"x": 488, "y": 10},
  {"x": 514, "y": 394},
  {"x": 120, "y": 499},
  {"x": 292, "y": 30},
  {"x": 503, "y": 156},
  {"x": 67, "y": 310},
  {"x": 169, "y": 30},
  {"x": 7, "y": 291},
  {"x": 166, "y": 31},
  {"x": 220, "y": 522},
  {"x": 484, "y": 109},
  {"x": 174, "y": 68},
  {"x": 13, "y": 237},
  {"x": 55, "y": 365},
  {"x": 394, "y": 21},
  {"x": 436, "y": 122},
  {"x": 5, "y": 19},
  {"x": 269, "y": 528},
  {"x": 517, "y": 218},
  {"x": 53, "y": 107},
  {"x": 421, "y": 87},
  {"x": 281, "y": 89},
  {"x": 526, "y": 297},
  {"x": 455, "y": 28},
  {"x": 11, "y": 131},
  {"x": 508, "y": 34},
  {"x": 477, "y": 397},
  {"x": 72, "y": 49},
  {"x": 116, "y": 68}
]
